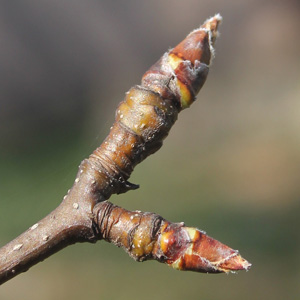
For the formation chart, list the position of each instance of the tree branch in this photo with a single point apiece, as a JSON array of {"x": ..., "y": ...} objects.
[
  {"x": 70, "y": 222},
  {"x": 143, "y": 120}
]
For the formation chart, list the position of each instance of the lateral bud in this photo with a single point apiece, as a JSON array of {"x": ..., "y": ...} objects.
[{"x": 146, "y": 235}]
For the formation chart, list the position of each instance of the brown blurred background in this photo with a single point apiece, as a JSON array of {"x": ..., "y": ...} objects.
[{"x": 231, "y": 165}]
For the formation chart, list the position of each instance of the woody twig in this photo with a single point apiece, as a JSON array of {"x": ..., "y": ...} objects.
[{"x": 143, "y": 121}]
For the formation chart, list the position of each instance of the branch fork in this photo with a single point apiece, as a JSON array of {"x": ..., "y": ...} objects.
[{"x": 143, "y": 120}]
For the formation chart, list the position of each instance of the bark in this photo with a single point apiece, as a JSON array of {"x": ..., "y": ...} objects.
[{"x": 142, "y": 122}]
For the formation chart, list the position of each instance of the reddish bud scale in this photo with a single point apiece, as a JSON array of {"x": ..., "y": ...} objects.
[
  {"x": 181, "y": 72},
  {"x": 189, "y": 249},
  {"x": 149, "y": 236}
]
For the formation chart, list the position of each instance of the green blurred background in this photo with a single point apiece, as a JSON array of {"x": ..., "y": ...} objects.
[{"x": 230, "y": 166}]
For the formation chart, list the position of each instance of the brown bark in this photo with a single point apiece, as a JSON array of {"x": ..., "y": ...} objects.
[
  {"x": 143, "y": 120},
  {"x": 70, "y": 222}
]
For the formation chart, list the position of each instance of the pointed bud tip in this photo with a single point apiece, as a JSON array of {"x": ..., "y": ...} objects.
[
  {"x": 211, "y": 25},
  {"x": 234, "y": 263}
]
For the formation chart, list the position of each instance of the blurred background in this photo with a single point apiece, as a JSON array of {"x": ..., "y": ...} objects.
[{"x": 230, "y": 166}]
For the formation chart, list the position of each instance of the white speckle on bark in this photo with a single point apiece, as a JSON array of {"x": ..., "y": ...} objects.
[
  {"x": 34, "y": 226},
  {"x": 17, "y": 247},
  {"x": 45, "y": 237},
  {"x": 75, "y": 205}
]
